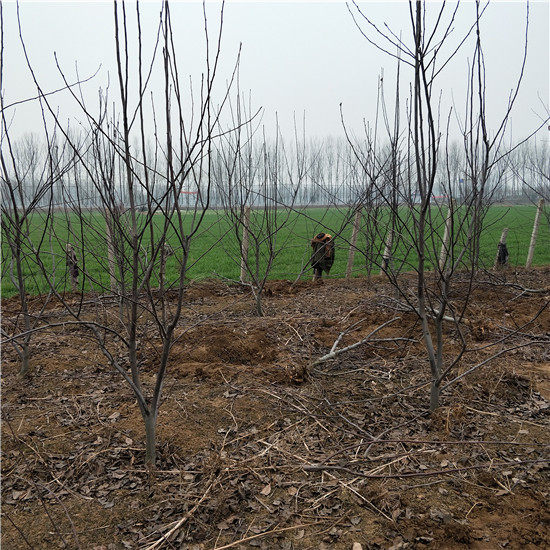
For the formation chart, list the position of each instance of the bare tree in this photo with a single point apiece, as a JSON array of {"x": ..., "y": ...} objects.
[
  {"x": 30, "y": 167},
  {"x": 138, "y": 194},
  {"x": 22, "y": 227},
  {"x": 419, "y": 218},
  {"x": 259, "y": 190}
]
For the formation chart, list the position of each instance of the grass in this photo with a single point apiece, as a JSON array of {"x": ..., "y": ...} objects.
[{"x": 214, "y": 252}]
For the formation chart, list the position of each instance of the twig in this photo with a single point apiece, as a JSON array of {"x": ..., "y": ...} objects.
[
  {"x": 511, "y": 420},
  {"x": 473, "y": 506},
  {"x": 517, "y": 287},
  {"x": 297, "y": 333},
  {"x": 276, "y": 530},
  {"x": 361, "y": 497},
  {"x": 165, "y": 537},
  {"x": 475, "y": 367},
  {"x": 73, "y": 529},
  {"x": 334, "y": 352},
  {"x": 346, "y": 331},
  {"x": 321, "y": 467},
  {"x": 19, "y": 531}
]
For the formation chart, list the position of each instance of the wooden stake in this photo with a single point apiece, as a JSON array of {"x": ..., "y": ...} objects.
[
  {"x": 534, "y": 234},
  {"x": 446, "y": 237},
  {"x": 244, "y": 244},
  {"x": 386, "y": 258},
  {"x": 355, "y": 232},
  {"x": 502, "y": 242},
  {"x": 72, "y": 265}
]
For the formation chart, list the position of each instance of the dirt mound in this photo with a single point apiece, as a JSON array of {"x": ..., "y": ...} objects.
[{"x": 225, "y": 345}]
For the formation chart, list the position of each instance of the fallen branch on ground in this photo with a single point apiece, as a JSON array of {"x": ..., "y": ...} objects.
[
  {"x": 335, "y": 352},
  {"x": 517, "y": 286},
  {"x": 475, "y": 367},
  {"x": 276, "y": 530},
  {"x": 433, "y": 314},
  {"x": 322, "y": 467},
  {"x": 167, "y": 535}
]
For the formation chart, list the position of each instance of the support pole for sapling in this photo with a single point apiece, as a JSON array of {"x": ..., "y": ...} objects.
[
  {"x": 536, "y": 224},
  {"x": 386, "y": 257},
  {"x": 502, "y": 253}
]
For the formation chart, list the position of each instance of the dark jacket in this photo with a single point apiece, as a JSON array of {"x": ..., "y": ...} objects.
[{"x": 323, "y": 252}]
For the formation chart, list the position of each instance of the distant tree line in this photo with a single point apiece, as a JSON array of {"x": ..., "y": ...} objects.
[{"x": 333, "y": 175}]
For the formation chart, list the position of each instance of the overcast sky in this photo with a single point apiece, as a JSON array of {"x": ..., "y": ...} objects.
[{"x": 296, "y": 57}]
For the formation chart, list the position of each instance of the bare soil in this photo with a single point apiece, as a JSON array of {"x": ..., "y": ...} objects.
[{"x": 254, "y": 447}]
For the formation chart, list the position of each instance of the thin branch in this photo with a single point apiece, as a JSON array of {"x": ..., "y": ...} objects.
[{"x": 333, "y": 353}]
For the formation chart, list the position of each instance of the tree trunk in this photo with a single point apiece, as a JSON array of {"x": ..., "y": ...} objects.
[
  {"x": 259, "y": 310},
  {"x": 434, "y": 395},
  {"x": 150, "y": 438},
  {"x": 24, "y": 370}
]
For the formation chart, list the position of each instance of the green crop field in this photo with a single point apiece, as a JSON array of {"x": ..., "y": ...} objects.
[{"x": 214, "y": 251}]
